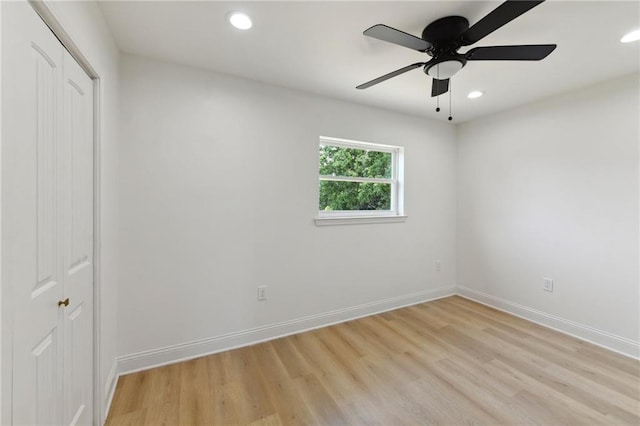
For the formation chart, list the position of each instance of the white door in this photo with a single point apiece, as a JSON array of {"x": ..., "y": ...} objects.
[
  {"x": 77, "y": 218},
  {"x": 47, "y": 183}
]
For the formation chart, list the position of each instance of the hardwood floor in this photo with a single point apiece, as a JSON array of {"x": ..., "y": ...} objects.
[{"x": 450, "y": 361}]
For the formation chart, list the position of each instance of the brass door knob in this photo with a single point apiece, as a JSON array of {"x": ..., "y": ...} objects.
[{"x": 64, "y": 302}]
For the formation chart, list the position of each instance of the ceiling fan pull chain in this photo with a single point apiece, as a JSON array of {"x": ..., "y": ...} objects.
[
  {"x": 450, "y": 90},
  {"x": 438, "y": 97}
]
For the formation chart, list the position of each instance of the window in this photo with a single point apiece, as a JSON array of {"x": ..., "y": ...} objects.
[{"x": 359, "y": 182}]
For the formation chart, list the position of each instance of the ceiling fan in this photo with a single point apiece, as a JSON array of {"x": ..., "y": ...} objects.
[{"x": 442, "y": 38}]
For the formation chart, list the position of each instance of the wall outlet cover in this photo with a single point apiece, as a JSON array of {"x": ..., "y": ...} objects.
[{"x": 262, "y": 292}]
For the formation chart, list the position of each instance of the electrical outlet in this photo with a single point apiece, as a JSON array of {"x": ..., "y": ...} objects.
[
  {"x": 262, "y": 292},
  {"x": 548, "y": 284},
  {"x": 438, "y": 266}
]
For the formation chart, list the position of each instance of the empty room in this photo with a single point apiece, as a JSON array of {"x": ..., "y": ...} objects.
[{"x": 320, "y": 212}]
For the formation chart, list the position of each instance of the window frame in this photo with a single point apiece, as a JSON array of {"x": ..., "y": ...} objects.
[{"x": 396, "y": 181}]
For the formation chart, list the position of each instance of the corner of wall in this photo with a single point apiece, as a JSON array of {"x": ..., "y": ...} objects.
[
  {"x": 609, "y": 341},
  {"x": 109, "y": 389}
]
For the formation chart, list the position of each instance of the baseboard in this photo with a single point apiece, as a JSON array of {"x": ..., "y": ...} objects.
[
  {"x": 601, "y": 338},
  {"x": 176, "y": 353},
  {"x": 189, "y": 350},
  {"x": 110, "y": 388}
]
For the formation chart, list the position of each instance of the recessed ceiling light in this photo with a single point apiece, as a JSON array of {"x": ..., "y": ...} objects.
[
  {"x": 240, "y": 20},
  {"x": 475, "y": 94},
  {"x": 632, "y": 36}
]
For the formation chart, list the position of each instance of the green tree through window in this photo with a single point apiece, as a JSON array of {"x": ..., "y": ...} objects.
[{"x": 354, "y": 179}]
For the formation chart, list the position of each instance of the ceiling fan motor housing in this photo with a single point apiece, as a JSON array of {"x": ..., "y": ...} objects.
[{"x": 445, "y": 33}]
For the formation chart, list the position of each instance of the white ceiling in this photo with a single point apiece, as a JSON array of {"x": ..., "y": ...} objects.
[{"x": 319, "y": 47}]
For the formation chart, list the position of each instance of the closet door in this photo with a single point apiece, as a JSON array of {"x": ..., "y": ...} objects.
[
  {"x": 47, "y": 214},
  {"x": 77, "y": 235},
  {"x": 32, "y": 248}
]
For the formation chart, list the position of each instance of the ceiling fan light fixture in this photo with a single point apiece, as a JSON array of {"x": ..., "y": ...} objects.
[
  {"x": 475, "y": 94},
  {"x": 240, "y": 20},
  {"x": 632, "y": 36},
  {"x": 445, "y": 69}
]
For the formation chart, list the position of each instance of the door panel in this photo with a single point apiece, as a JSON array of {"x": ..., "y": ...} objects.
[
  {"x": 46, "y": 104},
  {"x": 32, "y": 104},
  {"x": 77, "y": 387},
  {"x": 77, "y": 212},
  {"x": 80, "y": 176},
  {"x": 44, "y": 363}
]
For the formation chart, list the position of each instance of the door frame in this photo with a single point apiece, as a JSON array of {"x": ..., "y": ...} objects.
[{"x": 44, "y": 10}]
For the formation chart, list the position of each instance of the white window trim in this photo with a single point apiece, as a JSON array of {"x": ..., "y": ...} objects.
[
  {"x": 357, "y": 220},
  {"x": 344, "y": 217}
]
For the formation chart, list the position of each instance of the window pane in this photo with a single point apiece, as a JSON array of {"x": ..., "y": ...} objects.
[
  {"x": 353, "y": 162},
  {"x": 354, "y": 196}
]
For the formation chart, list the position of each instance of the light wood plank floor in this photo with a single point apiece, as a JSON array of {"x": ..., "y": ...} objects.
[{"x": 450, "y": 361}]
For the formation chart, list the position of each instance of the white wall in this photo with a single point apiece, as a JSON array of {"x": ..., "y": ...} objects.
[
  {"x": 3, "y": 327},
  {"x": 218, "y": 195},
  {"x": 86, "y": 25},
  {"x": 551, "y": 190}
]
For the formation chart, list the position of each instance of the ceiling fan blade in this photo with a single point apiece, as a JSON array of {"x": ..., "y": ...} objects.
[
  {"x": 503, "y": 14},
  {"x": 390, "y": 75},
  {"x": 391, "y": 35},
  {"x": 525, "y": 52},
  {"x": 438, "y": 87}
]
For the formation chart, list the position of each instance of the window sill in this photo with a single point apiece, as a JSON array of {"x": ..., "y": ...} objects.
[{"x": 357, "y": 220}]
